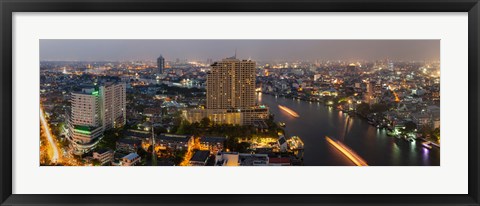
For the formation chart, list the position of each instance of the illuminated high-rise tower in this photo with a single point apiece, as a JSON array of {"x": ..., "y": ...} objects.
[
  {"x": 94, "y": 110},
  {"x": 231, "y": 95},
  {"x": 231, "y": 84},
  {"x": 84, "y": 122}
]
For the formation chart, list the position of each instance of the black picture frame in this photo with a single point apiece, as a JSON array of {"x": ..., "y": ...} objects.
[{"x": 9, "y": 6}]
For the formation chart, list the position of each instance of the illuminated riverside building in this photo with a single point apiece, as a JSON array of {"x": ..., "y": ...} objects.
[
  {"x": 94, "y": 110},
  {"x": 231, "y": 84},
  {"x": 230, "y": 94}
]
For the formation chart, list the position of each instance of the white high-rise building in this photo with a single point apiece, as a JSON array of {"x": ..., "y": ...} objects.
[
  {"x": 94, "y": 110},
  {"x": 113, "y": 105},
  {"x": 84, "y": 121}
]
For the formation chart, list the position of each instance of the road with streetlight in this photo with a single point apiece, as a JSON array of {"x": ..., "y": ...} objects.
[{"x": 52, "y": 146}]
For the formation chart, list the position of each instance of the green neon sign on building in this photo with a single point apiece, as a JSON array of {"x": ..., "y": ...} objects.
[{"x": 82, "y": 131}]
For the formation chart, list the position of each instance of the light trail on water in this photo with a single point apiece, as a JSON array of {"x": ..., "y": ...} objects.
[
  {"x": 347, "y": 152},
  {"x": 288, "y": 110}
]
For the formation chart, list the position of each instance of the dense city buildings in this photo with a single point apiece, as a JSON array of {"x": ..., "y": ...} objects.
[{"x": 240, "y": 112}]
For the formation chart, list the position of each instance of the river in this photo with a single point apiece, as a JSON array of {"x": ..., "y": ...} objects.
[{"x": 316, "y": 121}]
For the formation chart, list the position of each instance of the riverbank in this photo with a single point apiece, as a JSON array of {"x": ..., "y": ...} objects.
[
  {"x": 317, "y": 120},
  {"x": 373, "y": 117}
]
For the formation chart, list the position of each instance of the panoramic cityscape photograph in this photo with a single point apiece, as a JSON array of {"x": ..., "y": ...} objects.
[{"x": 232, "y": 102}]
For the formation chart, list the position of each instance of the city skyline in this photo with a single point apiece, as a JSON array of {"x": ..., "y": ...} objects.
[
  {"x": 234, "y": 110},
  {"x": 259, "y": 50}
]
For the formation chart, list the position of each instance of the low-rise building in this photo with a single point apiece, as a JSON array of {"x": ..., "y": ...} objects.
[
  {"x": 228, "y": 116},
  {"x": 227, "y": 159},
  {"x": 131, "y": 159},
  {"x": 138, "y": 134},
  {"x": 128, "y": 145},
  {"x": 173, "y": 141},
  {"x": 104, "y": 156},
  {"x": 213, "y": 144},
  {"x": 253, "y": 159},
  {"x": 200, "y": 158}
]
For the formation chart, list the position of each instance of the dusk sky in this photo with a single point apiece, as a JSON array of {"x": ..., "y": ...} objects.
[{"x": 267, "y": 50}]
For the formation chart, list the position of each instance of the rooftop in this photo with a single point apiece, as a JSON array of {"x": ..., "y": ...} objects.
[
  {"x": 174, "y": 137},
  {"x": 279, "y": 160},
  {"x": 138, "y": 133},
  {"x": 200, "y": 156},
  {"x": 129, "y": 141},
  {"x": 213, "y": 139},
  {"x": 131, "y": 156},
  {"x": 253, "y": 159},
  {"x": 90, "y": 89},
  {"x": 101, "y": 151}
]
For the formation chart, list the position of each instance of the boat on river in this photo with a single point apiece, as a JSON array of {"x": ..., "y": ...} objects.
[{"x": 288, "y": 110}]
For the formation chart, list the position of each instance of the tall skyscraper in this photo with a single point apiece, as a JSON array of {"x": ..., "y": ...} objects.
[
  {"x": 160, "y": 65},
  {"x": 113, "y": 98},
  {"x": 84, "y": 122},
  {"x": 231, "y": 95},
  {"x": 231, "y": 84},
  {"x": 94, "y": 110}
]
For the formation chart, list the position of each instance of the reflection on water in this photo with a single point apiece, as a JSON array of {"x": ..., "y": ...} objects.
[{"x": 317, "y": 121}]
